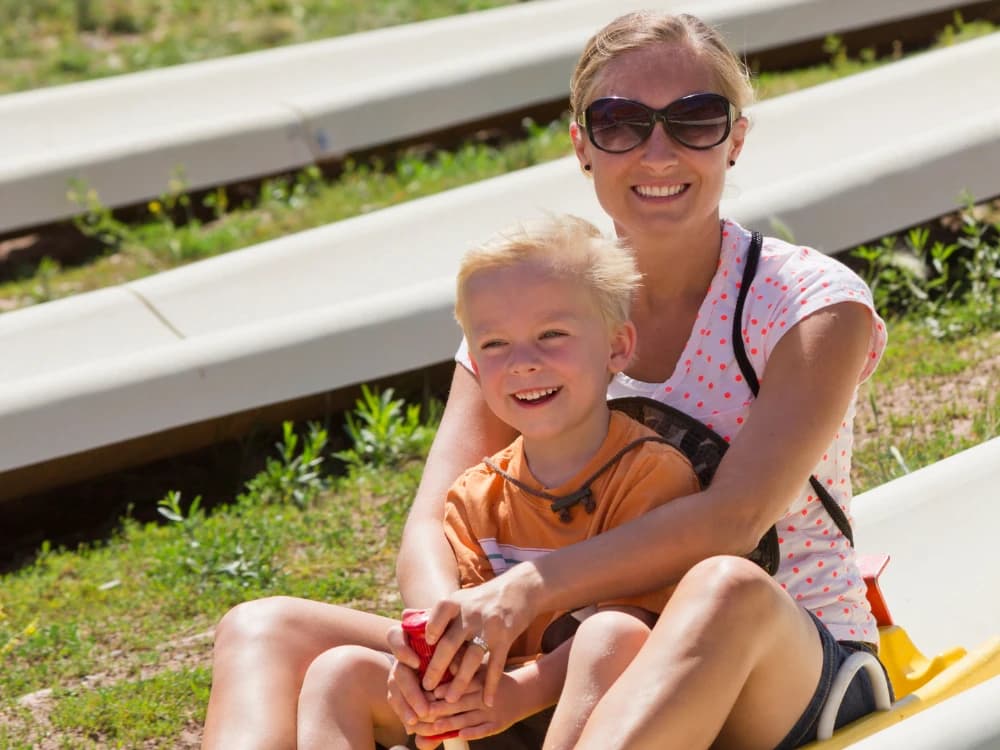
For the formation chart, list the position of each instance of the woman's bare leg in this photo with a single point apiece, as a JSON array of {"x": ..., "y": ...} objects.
[
  {"x": 262, "y": 651},
  {"x": 603, "y": 646},
  {"x": 732, "y": 663},
  {"x": 343, "y": 703}
]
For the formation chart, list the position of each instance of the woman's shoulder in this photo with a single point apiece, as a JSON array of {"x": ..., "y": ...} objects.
[{"x": 791, "y": 268}]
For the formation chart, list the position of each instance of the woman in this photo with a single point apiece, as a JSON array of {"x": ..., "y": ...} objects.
[{"x": 738, "y": 658}]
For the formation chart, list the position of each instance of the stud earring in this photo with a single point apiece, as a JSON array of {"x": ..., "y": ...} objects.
[
  {"x": 732, "y": 162},
  {"x": 586, "y": 167}
]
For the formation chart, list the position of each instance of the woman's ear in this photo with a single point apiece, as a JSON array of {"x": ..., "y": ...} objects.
[
  {"x": 736, "y": 138},
  {"x": 623, "y": 341},
  {"x": 580, "y": 145}
]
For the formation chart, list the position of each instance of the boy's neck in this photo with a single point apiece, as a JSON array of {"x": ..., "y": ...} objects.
[{"x": 554, "y": 461}]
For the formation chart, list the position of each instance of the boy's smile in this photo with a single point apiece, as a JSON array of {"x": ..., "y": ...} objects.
[{"x": 544, "y": 354}]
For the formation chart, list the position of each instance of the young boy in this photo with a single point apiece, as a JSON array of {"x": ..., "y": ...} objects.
[{"x": 545, "y": 311}]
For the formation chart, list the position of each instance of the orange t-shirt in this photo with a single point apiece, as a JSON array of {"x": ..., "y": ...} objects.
[{"x": 492, "y": 524}]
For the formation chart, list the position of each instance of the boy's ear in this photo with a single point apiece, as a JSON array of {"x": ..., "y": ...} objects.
[{"x": 623, "y": 340}]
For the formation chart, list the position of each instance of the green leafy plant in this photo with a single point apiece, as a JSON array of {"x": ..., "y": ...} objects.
[
  {"x": 295, "y": 477},
  {"x": 951, "y": 287},
  {"x": 386, "y": 432}
]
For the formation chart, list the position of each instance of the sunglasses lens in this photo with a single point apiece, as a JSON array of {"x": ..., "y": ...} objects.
[
  {"x": 699, "y": 121},
  {"x": 618, "y": 124}
]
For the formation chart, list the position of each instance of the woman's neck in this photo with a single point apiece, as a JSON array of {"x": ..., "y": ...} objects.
[{"x": 677, "y": 268}]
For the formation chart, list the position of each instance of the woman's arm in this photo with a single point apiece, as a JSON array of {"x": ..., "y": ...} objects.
[
  {"x": 811, "y": 377},
  {"x": 425, "y": 567}
]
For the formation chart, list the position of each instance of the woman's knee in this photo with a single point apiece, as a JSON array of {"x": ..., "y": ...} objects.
[
  {"x": 265, "y": 620},
  {"x": 732, "y": 587}
]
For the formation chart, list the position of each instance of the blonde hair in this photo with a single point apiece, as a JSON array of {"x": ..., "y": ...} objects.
[
  {"x": 567, "y": 247},
  {"x": 641, "y": 29}
]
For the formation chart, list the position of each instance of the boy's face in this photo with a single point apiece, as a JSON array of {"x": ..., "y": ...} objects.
[{"x": 542, "y": 350}]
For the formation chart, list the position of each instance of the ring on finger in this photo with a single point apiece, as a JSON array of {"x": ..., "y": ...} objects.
[{"x": 478, "y": 640}]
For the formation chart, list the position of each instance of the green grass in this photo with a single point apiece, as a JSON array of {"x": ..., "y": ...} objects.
[
  {"x": 64, "y": 41},
  {"x": 173, "y": 233}
]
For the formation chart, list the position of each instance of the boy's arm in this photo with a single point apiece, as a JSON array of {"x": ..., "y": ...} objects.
[
  {"x": 660, "y": 475},
  {"x": 425, "y": 566}
]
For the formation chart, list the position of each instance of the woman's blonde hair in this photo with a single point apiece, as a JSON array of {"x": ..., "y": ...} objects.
[
  {"x": 567, "y": 247},
  {"x": 641, "y": 29}
]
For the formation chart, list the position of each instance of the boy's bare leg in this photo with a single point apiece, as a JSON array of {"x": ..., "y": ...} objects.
[
  {"x": 343, "y": 703},
  {"x": 603, "y": 646},
  {"x": 732, "y": 663},
  {"x": 262, "y": 651}
]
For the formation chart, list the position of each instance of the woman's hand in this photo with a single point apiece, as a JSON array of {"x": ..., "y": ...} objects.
[{"x": 498, "y": 610}]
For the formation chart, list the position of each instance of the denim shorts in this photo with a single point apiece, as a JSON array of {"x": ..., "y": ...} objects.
[{"x": 858, "y": 701}]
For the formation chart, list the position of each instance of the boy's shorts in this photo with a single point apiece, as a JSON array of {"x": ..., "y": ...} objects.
[{"x": 858, "y": 701}]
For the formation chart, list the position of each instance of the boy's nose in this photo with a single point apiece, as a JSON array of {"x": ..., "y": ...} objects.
[{"x": 523, "y": 359}]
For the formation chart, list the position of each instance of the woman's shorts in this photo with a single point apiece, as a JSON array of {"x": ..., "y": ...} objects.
[{"x": 858, "y": 701}]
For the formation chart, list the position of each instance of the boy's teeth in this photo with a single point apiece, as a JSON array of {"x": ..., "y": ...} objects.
[
  {"x": 656, "y": 191},
  {"x": 534, "y": 395}
]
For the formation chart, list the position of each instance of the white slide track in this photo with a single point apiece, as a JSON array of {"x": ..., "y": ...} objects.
[
  {"x": 244, "y": 116},
  {"x": 371, "y": 296}
]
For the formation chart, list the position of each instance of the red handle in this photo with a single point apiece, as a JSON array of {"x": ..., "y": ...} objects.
[{"x": 414, "y": 626}]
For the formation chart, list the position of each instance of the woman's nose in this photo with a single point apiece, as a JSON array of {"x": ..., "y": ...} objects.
[{"x": 659, "y": 147}]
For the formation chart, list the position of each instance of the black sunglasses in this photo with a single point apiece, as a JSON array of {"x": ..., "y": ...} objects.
[{"x": 698, "y": 121}]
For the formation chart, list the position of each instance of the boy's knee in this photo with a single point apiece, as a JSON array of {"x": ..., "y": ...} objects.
[
  {"x": 339, "y": 663},
  {"x": 612, "y": 624},
  {"x": 609, "y": 632},
  {"x": 357, "y": 675}
]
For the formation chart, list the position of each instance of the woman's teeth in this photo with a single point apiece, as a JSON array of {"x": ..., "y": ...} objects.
[
  {"x": 659, "y": 191},
  {"x": 535, "y": 395}
]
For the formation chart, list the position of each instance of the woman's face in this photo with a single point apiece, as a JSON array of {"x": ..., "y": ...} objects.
[{"x": 659, "y": 186}]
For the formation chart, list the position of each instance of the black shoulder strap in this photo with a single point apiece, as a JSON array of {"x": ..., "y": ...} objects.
[{"x": 739, "y": 349}]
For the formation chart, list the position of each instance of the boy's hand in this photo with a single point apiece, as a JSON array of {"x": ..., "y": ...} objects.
[
  {"x": 469, "y": 714},
  {"x": 404, "y": 693},
  {"x": 498, "y": 610}
]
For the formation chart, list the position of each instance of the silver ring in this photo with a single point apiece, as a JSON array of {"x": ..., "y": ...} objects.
[{"x": 478, "y": 640}]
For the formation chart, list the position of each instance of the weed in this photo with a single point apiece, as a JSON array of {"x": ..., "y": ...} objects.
[
  {"x": 96, "y": 219},
  {"x": 46, "y": 273},
  {"x": 385, "y": 432},
  {"x": 951, "y": 287},
  {"x": 206, "y": 554},
  {"x": 295, "y": 477}
]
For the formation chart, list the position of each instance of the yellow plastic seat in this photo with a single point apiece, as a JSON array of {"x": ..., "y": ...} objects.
[{"x": 907, "y": 667}]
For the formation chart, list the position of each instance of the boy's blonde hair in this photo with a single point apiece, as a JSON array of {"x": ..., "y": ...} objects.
[
  {"x": 645, "y": 28},
  {"x": 568, "y": 247}
]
